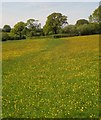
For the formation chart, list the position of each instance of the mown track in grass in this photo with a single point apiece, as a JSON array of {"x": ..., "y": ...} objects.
[{"x": 53, "y": 78}]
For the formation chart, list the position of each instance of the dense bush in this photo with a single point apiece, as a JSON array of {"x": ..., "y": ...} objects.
[
  {"x": 84, "y": 29},
  {"x": 9, "y": 36},
  {"x": 67, "y": 31},
  {"x": 5, "y": 36},
  {"x": 70, "y": 29},
  {"x": 62, "y": 35},
  {"x": 89, "y": 29}
]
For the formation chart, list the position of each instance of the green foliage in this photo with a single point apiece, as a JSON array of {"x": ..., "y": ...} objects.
[
  {"x": 18, "y": 30},
  {"x": 62, "y": 35},
  {"x": 6, "y": 28},
  {"x": 88, "y": 29},
  {"x": 33, "y": 24},
  {"x": 97, "y": 27},
  {"x": 54, "y": 23},
  {"x": 83, "y": 29},
  {"x": 69, "y": 29},
  {"x": 5, "y": 36},
  {"x": 26, "y": 31},
  {"x": 82, "y": 22},
  {"x": 33, "y": 28},
  {"x": 96, "y": 15}
]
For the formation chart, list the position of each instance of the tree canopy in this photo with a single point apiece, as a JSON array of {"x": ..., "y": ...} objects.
[
  {"x": 33, "y": 24},
  {"x": 82, "y": 22},
  {"x": 54, "y": 23},
  {"x": 33, "y": 27},
  {"x": 18, "y": 29},
  {"x": 69, "y": 29},
  {"x": 6, "y": 28},
  {"x": 96, "y": 15}
]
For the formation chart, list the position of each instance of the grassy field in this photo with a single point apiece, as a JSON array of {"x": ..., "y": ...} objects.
[{"x": 51, "y": 78}]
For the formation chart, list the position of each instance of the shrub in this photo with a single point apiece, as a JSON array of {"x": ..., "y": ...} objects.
[
  {"x": 5, "y": 36},
  {"x": 69, "y": 29},
  {"x": 88, "y": 29},
  {"x": 16, "y": 37},
  {"x": 62, "y": 35}
]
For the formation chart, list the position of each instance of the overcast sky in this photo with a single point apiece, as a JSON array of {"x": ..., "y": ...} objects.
[{"x": 13, "y": 12}]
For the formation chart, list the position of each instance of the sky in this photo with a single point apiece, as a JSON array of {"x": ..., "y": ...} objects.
[{"x": 13, "y": 12}]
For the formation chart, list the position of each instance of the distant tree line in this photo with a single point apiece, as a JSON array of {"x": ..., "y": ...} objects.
[{"x": 56, "y": 26}]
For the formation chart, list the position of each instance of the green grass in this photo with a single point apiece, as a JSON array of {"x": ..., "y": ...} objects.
[{"x": 51, "y": 78}]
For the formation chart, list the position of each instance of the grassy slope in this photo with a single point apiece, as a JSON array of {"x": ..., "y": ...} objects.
[{"x": 51, "y": 78}]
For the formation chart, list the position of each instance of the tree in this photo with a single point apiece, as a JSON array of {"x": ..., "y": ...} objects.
[
  {"x": 96, "y": 15},
  {"x": 6, "y": 28},
  {"x": 82, "y": 22},
  {"x": 18, "y": 30},
  {"x": 33, "y": 27},
  {"x": 54, "y": 23},
  {"x": 31, "y": 24},
  {"x": 26, "y": 31}
]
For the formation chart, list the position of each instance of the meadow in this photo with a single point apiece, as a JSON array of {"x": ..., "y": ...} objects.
[{"x": 51, "y": 78}]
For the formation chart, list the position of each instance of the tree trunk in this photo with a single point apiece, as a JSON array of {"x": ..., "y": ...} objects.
[{"x": 55, "y": 30}]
